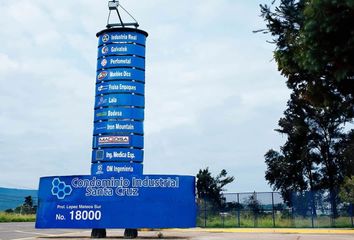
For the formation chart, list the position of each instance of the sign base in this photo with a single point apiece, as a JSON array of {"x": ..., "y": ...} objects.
[{"x": 119, "y": 201}]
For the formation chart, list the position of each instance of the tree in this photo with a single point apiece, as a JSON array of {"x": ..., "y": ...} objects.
[
  {"x": 314, "y": 47},
  {"x": 328, "y": 43},
  {"x": 348, "y": 153},
  {"x": 211, "y": 188},
  {"x": 9, "y": 210},
  {"x": 315, "y": 54},
  {"x": 295, "y": 168},
  {"x": 283, "y": 175},
  {"x": 28, "y": 202},
  {"x": 27, "y": 207},
  {"x": 312, "y": 158},
  {"x": 347, "y": 190},
  {"x": 254, "y": 205}
]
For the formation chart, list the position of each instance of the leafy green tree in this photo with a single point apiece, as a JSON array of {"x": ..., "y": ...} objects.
[
  {"x": 18, "y": 209},
  {"x": 294, "y": 169},
  {"x": 315, "y": 54},
  {"x": 314, "y": 48},
  {"x": 254, "y": 204},
  {"x": 28, "y": 202},
  {"x": 348, "y": 153},
  {"x": 27, "y": 207},
  {"x": 313, "y": 157},
  {"x": 328, "y": 43},
  {"x": 210, "y": 188},
  {"x": 347, "y": 190},
  {"x": 9, "y": 210}
]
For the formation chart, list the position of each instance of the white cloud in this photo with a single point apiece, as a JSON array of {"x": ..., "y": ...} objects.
[{"x": 7, "y": 65}]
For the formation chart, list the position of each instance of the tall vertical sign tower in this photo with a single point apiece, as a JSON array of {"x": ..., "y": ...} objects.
[
  {"x": 117, "y": 194},
  {"x": 118, "y": 140}
]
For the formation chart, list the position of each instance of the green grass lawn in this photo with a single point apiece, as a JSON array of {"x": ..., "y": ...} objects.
[
  {"x": 13, "y": 217},
  {"x": 231, "y": 220},
  {"x": 266, "y": 221}
]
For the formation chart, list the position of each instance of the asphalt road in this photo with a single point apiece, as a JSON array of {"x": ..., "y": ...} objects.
[{"x": 26, "y": 231}]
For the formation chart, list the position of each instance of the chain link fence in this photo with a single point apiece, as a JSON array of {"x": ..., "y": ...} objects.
[
  {"x": 254, "y": 209},
  {"x": 269, "y": 209}
]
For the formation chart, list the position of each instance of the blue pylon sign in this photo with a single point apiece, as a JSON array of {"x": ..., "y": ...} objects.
[{"x": 117, "y": 194}]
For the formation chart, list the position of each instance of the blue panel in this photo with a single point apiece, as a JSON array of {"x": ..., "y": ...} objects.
[
  {"x": 121, "y": 201},
  {"x": 121, "y": 37},
  {"x": 118, "y": 127},
  {"x": 121, "y": 49},
  {"x": 123, "y": 74},
  {"x": 117, "y": 154},
  {"x": 120, "y": 87},
  {"x": 121, "y": 61},
  {"x": 116, "y": 168},
  {"x": 119, "y": 100},
  {"x": 119, "y": 113},
  {"x": 118, "y": 141}
]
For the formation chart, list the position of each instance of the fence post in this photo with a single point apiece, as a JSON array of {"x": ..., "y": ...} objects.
[
  {"x": 205, "y": 212},
  {"x": 292, "y": 217},
  {"x": 351, "y": 214},
  {"x": 312, "y": 209},
  {"x": 239, "y": 209},
  {"x": 273, "y": 213},
  {"x": 255, "y": 212}
]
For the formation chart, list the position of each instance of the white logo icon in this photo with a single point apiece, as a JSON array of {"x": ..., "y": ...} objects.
[
  {"x": 105, "y": 38},
  {"x": 104, "y": 50},
  {"x": 60, "y": 189},
  {"x": 99, "y": 169},
  {"x": 104, "y": 62}
]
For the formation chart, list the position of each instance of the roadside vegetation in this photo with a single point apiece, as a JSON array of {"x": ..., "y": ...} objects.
[
  {"x": 230, "y": 220},
  {"x": 16, "y": 217},
  {"x": 23, "y": 213}
]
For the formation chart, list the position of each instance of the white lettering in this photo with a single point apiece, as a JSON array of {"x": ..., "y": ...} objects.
[
  {"x": 120, "y": 74},
  {"x": 119, "y": 49},
  {"x": 124, "y": 37},
  {"x": 112, "y": 100},
  {"x": 121, "y": 87},
  {"x": 121, "y": 61},
  {"x": 118, "y": 126},
  {"x": 115, "y": 113}
]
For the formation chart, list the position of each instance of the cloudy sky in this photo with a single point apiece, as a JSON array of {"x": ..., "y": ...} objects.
[{"x": 213, "y": 93}]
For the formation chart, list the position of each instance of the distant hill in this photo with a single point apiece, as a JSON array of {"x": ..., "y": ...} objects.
[{"x": 11, "y": 198}]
